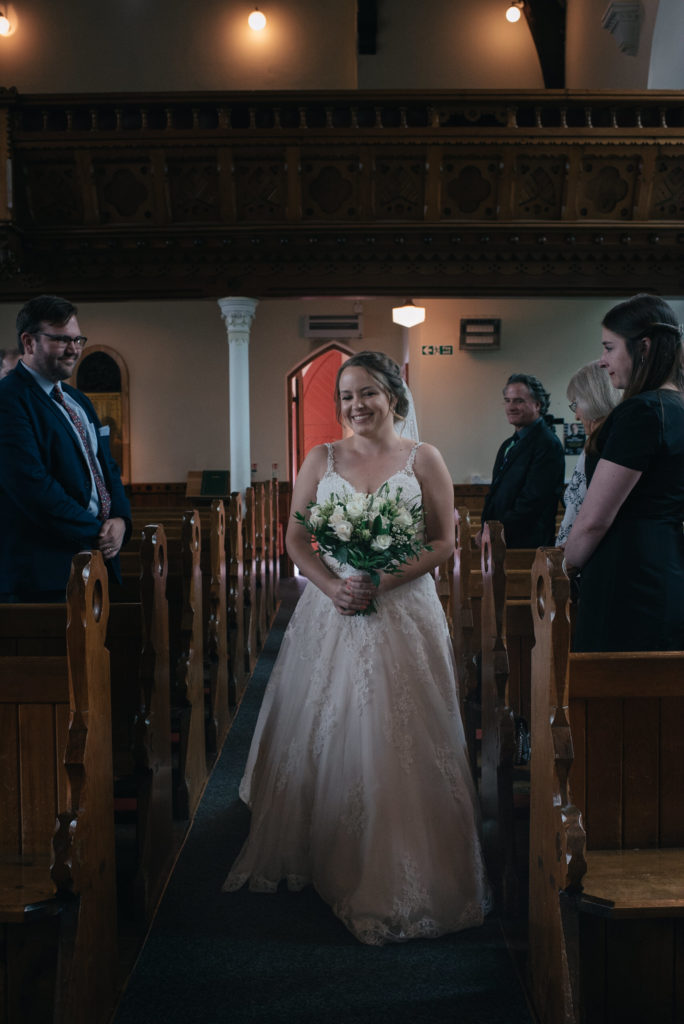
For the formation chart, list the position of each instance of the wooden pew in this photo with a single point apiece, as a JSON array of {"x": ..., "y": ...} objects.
[
  {"x": 498, "y": 726},
  {"x": 251, "y": 600},
  {"x": 467, "y": 620},
  {"x": 607, "y": 824},
  {"x": 184, "y": 588},
  {"x": 260, "y": 563},
  {"x": 216, "y": 641},
  {"x": 239, "y": 673},
  {"x": 137, "y": 637},
  {"x": 273, "y": 549},
  {"x": 58, "y": 954},
  {"x": 462, "y": 632},
  {"x": 216, "y": 652},
  {"x": 152, "y": 729},
  {"x": 235, "y": 641}
]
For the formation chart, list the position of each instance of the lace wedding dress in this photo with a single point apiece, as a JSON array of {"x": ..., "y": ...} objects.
[{"x": 357, "y": 776}]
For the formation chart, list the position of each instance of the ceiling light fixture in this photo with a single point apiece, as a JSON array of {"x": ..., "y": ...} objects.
[
  {"x": 514, "y": 12},
  {"x": 256, "y": 20},
  {"x": 408, "y": 315},
  {"x": 5, "y": 24}
]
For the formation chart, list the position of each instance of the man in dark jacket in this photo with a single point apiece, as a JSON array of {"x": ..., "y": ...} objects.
[
  {"x": 529, "y": 470},
  {"x": 60, "y": 489}
]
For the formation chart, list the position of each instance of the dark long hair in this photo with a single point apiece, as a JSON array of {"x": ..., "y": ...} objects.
[
  {"x": 648, "y": 316},
  {"x": 387, "y": 374}
]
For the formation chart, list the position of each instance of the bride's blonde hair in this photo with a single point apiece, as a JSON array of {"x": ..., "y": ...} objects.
[{"x": 387, "y": 375}]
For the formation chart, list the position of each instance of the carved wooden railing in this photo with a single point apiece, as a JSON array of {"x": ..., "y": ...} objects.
[{"x": 479, "y": 192}]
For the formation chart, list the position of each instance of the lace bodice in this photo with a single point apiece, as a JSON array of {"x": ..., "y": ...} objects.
[{"x": 333, "y": 482}]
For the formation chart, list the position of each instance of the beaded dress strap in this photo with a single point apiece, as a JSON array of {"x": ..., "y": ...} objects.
[
  {"x": 411, "y": 459},
  {"x": 331, "y": 458}
]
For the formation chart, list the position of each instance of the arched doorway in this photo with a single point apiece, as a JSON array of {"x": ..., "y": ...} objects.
[
  {"x": 103, "y": 376},
  {"x": 310, "y": 388}
]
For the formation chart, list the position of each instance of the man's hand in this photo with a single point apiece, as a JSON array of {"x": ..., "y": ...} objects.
[{"x": 111, "y": 537}]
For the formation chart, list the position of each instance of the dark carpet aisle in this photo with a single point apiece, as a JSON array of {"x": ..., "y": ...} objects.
[{"x": 214, "y": 957}]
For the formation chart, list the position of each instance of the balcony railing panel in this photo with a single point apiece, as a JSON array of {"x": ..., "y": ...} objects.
[{"x": 464, "y": 176}]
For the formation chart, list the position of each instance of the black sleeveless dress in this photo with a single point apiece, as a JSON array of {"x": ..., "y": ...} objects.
[{"x": 632, "y": 587}]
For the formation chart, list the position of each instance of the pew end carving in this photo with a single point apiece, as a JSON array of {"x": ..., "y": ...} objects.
[
  {"x": 498, "y": 725},
  {"x": 217, "y": 654},
  {"x": 60, "y": 705},
  {"x": 463, "y": 633},
  {"x": 152, "y": 735},
  {"x": 188, "y": 670},
  {"x": 236, "y": 600}
]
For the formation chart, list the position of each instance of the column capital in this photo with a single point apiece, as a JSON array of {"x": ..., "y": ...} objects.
[{"x": 238, "y": 313}]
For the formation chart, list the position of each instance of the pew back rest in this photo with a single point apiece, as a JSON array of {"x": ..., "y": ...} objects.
[
  {"x": 626, "y": 715},
  {"x": 34, "y": 719}
]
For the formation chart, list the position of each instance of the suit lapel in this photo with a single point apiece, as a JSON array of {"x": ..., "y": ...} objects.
[
  {"x": 514, "y": 454},
  {"x": 40, "y": 395}
]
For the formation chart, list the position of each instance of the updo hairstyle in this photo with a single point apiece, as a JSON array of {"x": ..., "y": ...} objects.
[
  {"x": 387, "y": 375},
  {"x": 648, "y": 316}
]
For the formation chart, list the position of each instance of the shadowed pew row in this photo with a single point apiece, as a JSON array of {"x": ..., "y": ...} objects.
[
  {"x": 252, "y": 557},
  {"x": 58, "y": 895},
  {"x": 498, "y": 725},
  {"x": 467, "y": 627},
  {"x": 137, "y": 638},
  {"x": 606, "y": 917}
]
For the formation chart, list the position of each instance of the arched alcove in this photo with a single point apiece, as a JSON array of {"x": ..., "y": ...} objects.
[
  {"x": 103, "y": 376},
  {"x": 310, "y": 387}
]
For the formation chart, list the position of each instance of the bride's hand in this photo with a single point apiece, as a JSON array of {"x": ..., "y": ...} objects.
[{"x": 352, "y": 595}]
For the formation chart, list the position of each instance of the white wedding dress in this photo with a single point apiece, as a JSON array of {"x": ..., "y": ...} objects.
[{"x": 357, "y": 777}]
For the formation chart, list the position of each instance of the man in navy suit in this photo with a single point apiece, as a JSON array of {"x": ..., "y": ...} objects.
[
  {"x": 529, "y": 470},
  {"x": 60, "y": 489}
]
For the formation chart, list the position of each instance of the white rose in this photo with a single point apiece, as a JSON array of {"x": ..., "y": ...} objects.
[
  {"x": 356, "y": 506},
  {"x": 315, "y": 517},
  {"x": 403, "y": 517},
  {"x": 338, "y": 515},
  {"x": 342, "y": 529},
  {"x": 381, "y": 542}
]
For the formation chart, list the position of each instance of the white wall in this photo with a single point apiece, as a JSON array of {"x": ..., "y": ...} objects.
[
  {"x": 458, "y": 397},
  {"x": 157, "y": 45},
  {"x": 592, "y": 57},
  {"x": 177, "y": 356},
  {"x": 443, "y": 44},
  {"x": 667, "y": 64},
  {"x": 173, "y": 45}
]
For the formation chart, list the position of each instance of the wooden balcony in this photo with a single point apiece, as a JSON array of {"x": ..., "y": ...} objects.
[{"x": 469, "y": 193}]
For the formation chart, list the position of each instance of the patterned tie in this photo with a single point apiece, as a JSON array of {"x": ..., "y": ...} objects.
[
  {"x": 102, "y": 492},
  {"x": 509, "y": 448}
]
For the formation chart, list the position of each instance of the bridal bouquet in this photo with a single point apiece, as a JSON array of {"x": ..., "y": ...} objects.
[{"x": 369, "y": 532}]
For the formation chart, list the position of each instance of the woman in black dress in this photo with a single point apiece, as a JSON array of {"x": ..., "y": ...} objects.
[{"x": 627, "y": 540}]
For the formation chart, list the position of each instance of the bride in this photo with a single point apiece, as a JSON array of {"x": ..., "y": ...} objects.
[{"x": 357, "y": 777}]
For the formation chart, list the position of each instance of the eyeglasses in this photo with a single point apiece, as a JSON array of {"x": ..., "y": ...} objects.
[
  {"x": 573, "y": 407},
  {"x": 65, "y": 339}
]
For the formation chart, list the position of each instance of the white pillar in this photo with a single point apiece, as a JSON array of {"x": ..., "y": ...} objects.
[{"x": 238, "y": 314}]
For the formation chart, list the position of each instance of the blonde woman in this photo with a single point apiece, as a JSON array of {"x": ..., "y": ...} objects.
[{"x": 592, "y": 397}]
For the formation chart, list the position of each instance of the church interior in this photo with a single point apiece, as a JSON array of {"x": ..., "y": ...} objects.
[{"x": 235, "y": 212}]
